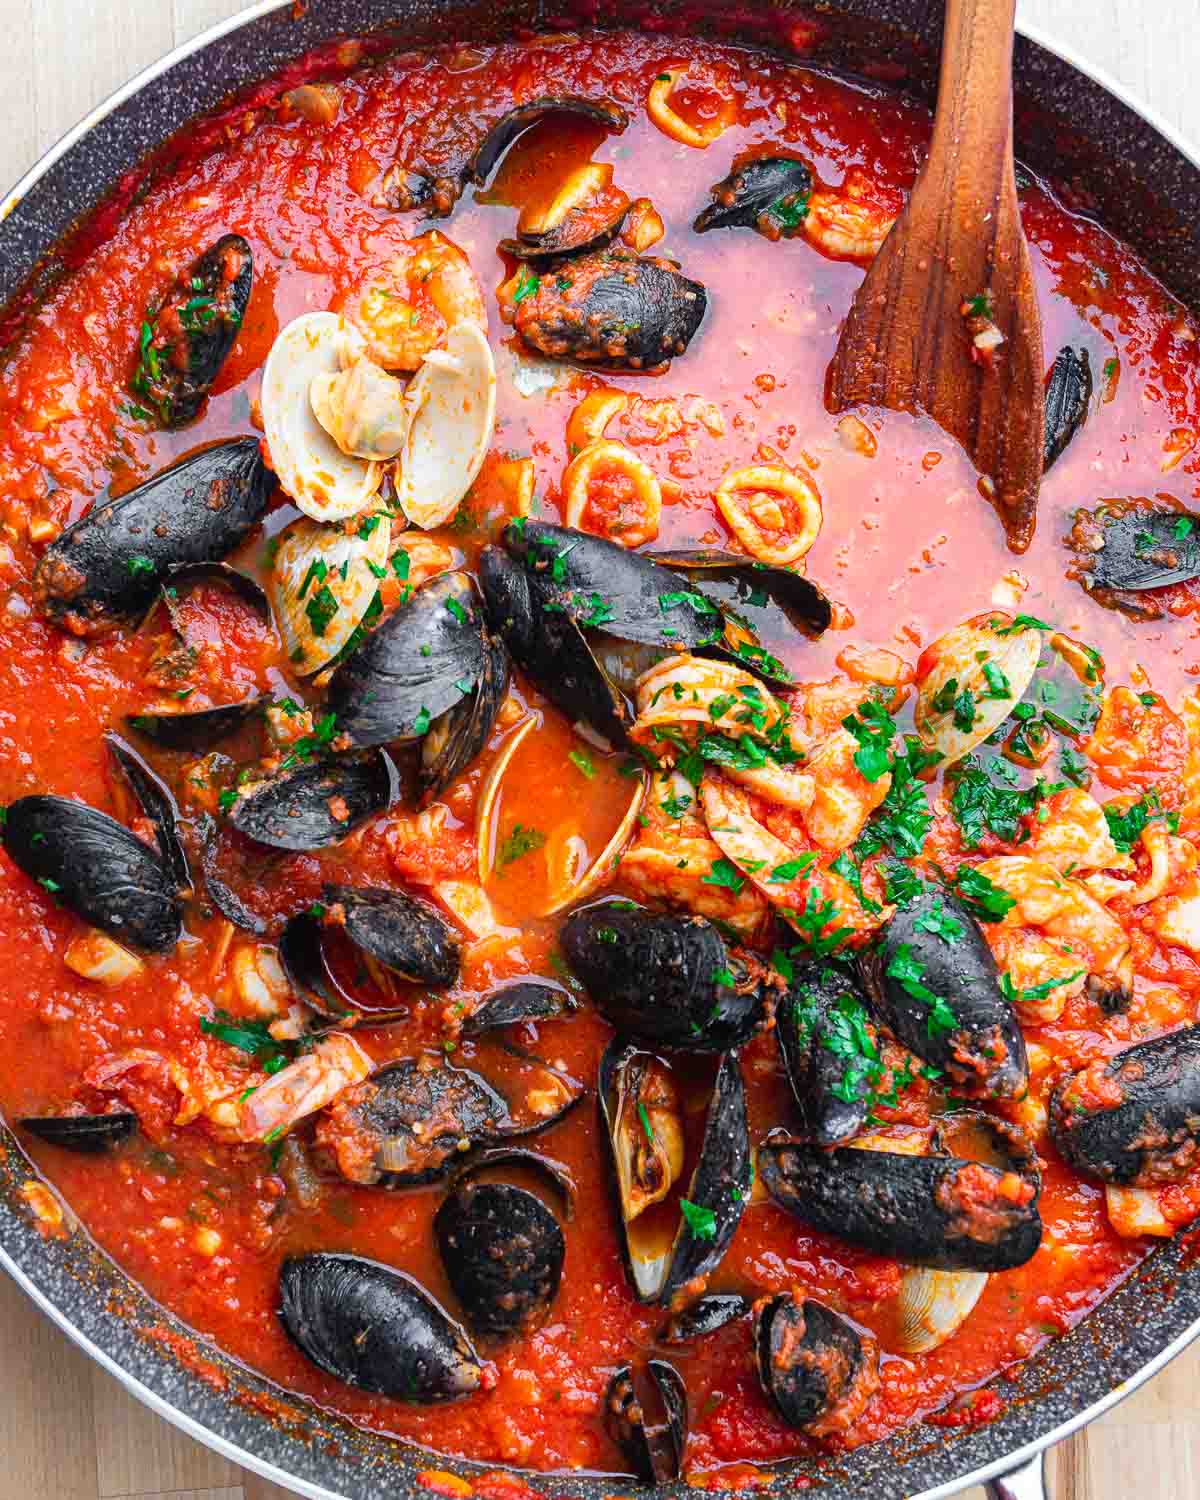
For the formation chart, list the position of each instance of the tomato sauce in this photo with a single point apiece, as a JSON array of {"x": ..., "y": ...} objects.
[{"x": 907, "y": 548}]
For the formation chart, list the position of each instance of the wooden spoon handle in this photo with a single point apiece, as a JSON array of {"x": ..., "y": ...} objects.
[{"x": 970, "y": 144}]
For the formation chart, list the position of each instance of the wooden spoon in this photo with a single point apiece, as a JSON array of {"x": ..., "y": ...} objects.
[{"x": 954, "y": 263}]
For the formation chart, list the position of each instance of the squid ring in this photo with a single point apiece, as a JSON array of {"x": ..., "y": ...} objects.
[
  {"x": 579, "y": 476},
  {"x": 590, "y": 419},
  {"x": 774, "y": 512},
  {"x": 658, "y": 107}
]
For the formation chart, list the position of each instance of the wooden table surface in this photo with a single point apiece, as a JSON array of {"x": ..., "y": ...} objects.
[{"x": 67, "y": 1430}]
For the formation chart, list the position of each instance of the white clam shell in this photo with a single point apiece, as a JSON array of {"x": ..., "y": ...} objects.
[
  {"x": 962, "y": 661},
  {"x": 933, "y": 1305},
  {"x": 325, "y": 483},
  {"x": 337, "y": 560},
  {"x": 452, "y": 411}
]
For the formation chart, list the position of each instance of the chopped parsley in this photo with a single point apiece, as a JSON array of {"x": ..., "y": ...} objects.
[
  {"x": 700, "y": 1220},
  {"x": 1126, "y": 826},
  {"x": 906, "y": 968},
  {"x": 582, "y": 762},
  {"x": 1036, "y": 991},
  {"x": 527, "y": 285},
  {"x": 521, "y": 841},
  {"x": 724, "y": 872},
  {"x": 138, "y": 565},
  {"x": 985, "y": 900}
]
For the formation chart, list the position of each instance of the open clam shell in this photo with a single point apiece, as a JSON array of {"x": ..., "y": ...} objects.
[
  {"x": 322, "y": 584},
  {"x": 451, "y": 403},
  {"x": 933, "y": 1305},
  {"x": 325, "y": 483}
]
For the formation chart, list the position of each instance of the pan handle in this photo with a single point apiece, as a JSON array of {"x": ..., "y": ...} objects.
[{"x": 1025, "y": 1483}]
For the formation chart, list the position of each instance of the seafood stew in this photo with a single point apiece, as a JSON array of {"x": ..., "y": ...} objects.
[{"x": 640, "y": 937}]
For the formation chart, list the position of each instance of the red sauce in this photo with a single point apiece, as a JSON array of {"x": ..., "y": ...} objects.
[{"x": 907, "y": 547}]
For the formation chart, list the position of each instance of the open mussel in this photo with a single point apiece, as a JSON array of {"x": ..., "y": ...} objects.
[
  {"x": 502, "y": 1246},
  {"x": 705, "y": 1316},
  {"x": 942, "y": 1211},
  {"x": 97, "y": 868},
  {"x": 816, "y": 1370},
  {"x": 1128, "y": 549},
  {"x": 665, "y": 980},
  {"x": 934, "y": 983},
  {"x": 373, "y": 1327},
  {"x": 197, "y": 728},
  {"x": 109, "y": 565},
  {"x": 651, "y": 1429},
  {"x": 608, "y": 307},
  {"x": 501, "y": 135},
  {"x": 415, "y": 1118},
  {"x": 389, "y": 928},
  {"x": 1133, "y": 1119},
  {"x": 825, "y": 1042},
  {"x": 586, "y": 211},
  {"x": 317, "y": 804},
  {"x": 767, "y": 193},
  {"x": 430, "y": 673},
  {"x": 89, "y": 1134},
  {"x": 154, "y": 798},
  {"x": 185, "y": 343},
  {"x": 1068, "y": 395}
]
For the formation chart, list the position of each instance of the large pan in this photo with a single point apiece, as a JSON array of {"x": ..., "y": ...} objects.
[{"x": 1071, "y": 125}]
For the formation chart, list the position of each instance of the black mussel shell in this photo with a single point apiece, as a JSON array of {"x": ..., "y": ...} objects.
[
  {"x": 97, "y": 868},
  {"x": 653, "y": 1449},
  {"x": 459, "y": 735},
  {"x": 373, "y": 1327},
  {"x": 187, "y": 341},
  {"x": 186, "y": 575},
  {"x": 217, "y": 889},
  {"x": 663, "y": 980},
  {"x": 509, "y": 126},
  {"x": 939, "y": 1211},
  {"x": 318, "y": 804},
  {"x": 109, "y": 565},
  {"x": 524, "y": 1000},
  {"x": 1068, "y": 395},
  {"x": 575, "y": 236},
  {"x": 1130, "y": 549},
  {"x": 85, "y": 1133},
  {"x": 768, "y": 193},
  {"x": 612, "y": 309},
  {"x": 197, "y": 728},
  {"x": 812, "y": 1364},
  {"x": 809, "y": 1022},
  {"x": 554, "y": 1175},
  {"x": 706, "y": 1315},
  {"x": 935, "y": 945},
  {"x": 1147, "y": 1129},
  {"x": 719, "y": 1189},
  {"x": 156, "y": 801},
  {"x": 419, "y": 664},
  {"x": 503, "y": 1253},
  {"x": 403, "y": 934}
]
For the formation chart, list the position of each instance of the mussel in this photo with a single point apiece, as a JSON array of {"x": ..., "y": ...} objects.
[
  {"x": 89, "y": 1134},
  {"x": 389, "y": 928},
  {"x": 109, "y": 565},
  {"x": 185, "y": 343},
  {"x": 1068, "y": 395},
  {"x": 97, "y": 868},
  {"x": 767, "y": 193},
  {"x": 503, "y": 1250},
  {"x": 373, "y": 1327},
  {"x": 431, "y": 673},
  {"x": 156, "y": 801},
  {"x": 934, "y": 983},
  {"x": 665, "y": 980},
  {"x": 1133, "y": 1119},
  {"x": 705, "y": 1316},
  {"x": 817, "y": 1371},
  {"x": 501, "y": 135},
  {"x": 828, "y": 1079},
  {"x": 512, "y": 1004},
  {"x": 941, "y": 1211},
  {"x": 197, "y": 728},
  {"x": 586, "y": 211},
  {"x": 317, "y": 804},
  {"x": 651, "y": 1429},
  {"x": 1129, "y": 548},
  {"x": 609, "y": 307},
  {"x": 642, "y": 1125}
]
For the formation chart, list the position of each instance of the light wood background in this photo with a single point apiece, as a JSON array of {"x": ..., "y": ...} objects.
[{"x": 67, "y": 1430}]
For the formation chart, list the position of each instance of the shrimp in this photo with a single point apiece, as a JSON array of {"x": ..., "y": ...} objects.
[
  {"x": 850, "y": 222},
  {"x": 843, "y": 798},
  {"x": 303, "y": 1087},
  {"x": 1033, "y": 964},
  {"x": 1138, "y": 744},
  {"x": 427, "y": 287},
  {"x": 1059, "y": 908},
  {"x": 1075, "y": 835}
]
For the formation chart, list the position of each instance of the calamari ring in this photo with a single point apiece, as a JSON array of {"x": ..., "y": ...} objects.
[
  {"x": 660, "y": 110},
  {"x": 588, "y": 422},
  {"x": 774, "y": 512},
  {"x": 610, "y": 514}
]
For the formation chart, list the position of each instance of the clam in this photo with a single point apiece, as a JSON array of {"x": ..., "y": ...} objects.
[
  {"x": 933, "y": 1305},
  {"x": 970, "y": 680},
  {"x": 451, "y": 405},
  {"x": 324, "y": 581},
  {"x": 362, "y": 409},
  {"x": 327, "y": 484}
]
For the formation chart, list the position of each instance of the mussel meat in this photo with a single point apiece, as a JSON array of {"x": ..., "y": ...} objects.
[
  {"x": 1129, "y": 548},
  {"x": 373, "y": 1327},
  {"x": 97, "y": 868},
  {"x": 817, "y": 1371},
  {"x": 767, "y": 193},
  {"x": 89, "y": 1134},
  {"x": 610, "y": 308},
  {"x": 318, "y": 804},
  {"x": 650, "y": 1430},
  {"x": 665, "y": 980},
  {"x": 188, "y": 339},
  {"x": 109, "y": 565},
  {"x": 1068, "y": 395},
  {"x": 1133, "y": 1119},
  {"x": 934, "y": 983},
  {"x": 705, "y": 1316}
]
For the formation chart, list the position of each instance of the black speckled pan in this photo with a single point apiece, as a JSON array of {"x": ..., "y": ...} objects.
[{"x": 1081, "y": 134}]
